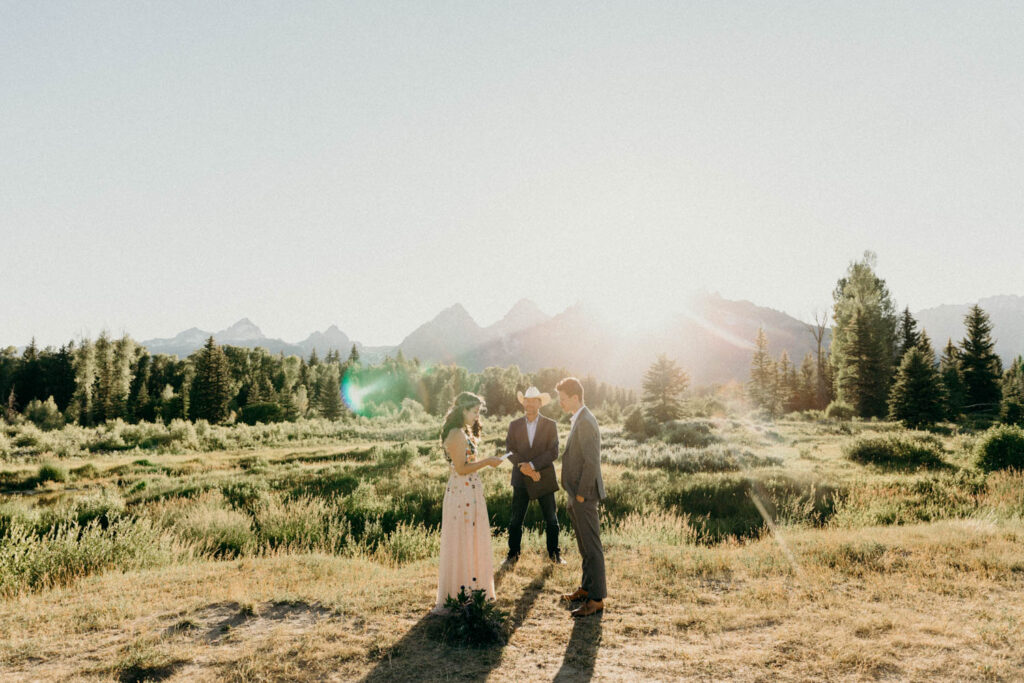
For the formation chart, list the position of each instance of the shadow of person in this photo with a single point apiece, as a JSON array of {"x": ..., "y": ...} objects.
[
  {"x": 416, "y": 655},
  {"x": 581, "y": 652},
  {"x": 525, "y": 602}
]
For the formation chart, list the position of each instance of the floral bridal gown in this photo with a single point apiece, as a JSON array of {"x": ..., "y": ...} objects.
[{"x": 466, "y": 559}]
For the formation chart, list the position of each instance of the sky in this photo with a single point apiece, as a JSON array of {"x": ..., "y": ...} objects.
[{"x": 302, "y": 164}]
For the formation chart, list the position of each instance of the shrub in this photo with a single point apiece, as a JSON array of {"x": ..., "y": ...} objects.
[
  {"x": 261, "y": 412},
  {"x": 44, "y": 415},
  {"x": 1011, "y": 411},
  {"x": 690, "y": 434},
  {"x": 716, "y": 458},
  {"x": 86, "y": 471},
  {"x": 217, "y": 532},
  {"x": 1000, "y": 448},
  {"x": 28, "y": 436},
  {"x": 636, "y": 424},
  {"x": 408, "y": 543},
  {"x": 52, "y": 472},
  {"x": 896, "y": 452},
  {"x": 473, "y": 621},
  {"x": 183, "y": 434},
  {"x": 103, "y": 508},
  {"x": 412, "y": 411},
  {"x": 837, "y": 410},
  {"x": 246, "y": 494}
]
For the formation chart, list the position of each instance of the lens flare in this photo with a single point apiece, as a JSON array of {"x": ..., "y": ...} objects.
[
  {"x": 723, "y": 334},
  {"x": 354, "y": 394}
]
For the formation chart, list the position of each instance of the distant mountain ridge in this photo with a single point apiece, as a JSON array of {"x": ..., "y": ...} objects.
[
  {"x": 1006, "y": 313},
  {"x": 711, "y": 338}
]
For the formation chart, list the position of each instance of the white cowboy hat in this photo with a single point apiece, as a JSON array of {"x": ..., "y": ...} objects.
[{"x": 534, "y": 392}]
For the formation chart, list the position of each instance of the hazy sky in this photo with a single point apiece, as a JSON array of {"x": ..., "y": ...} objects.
[{"x": 170, "y": 164}]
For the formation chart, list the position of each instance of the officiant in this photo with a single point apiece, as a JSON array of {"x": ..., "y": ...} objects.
[{"x": 533, "y": 442}]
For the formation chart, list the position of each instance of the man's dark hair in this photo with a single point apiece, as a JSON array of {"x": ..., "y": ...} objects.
[{"x": 570, "y": 386}]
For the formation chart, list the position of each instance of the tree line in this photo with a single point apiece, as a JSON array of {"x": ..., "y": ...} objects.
[
  {"x": 91, "y": 381},
  {"x": 879, "y": 364}
]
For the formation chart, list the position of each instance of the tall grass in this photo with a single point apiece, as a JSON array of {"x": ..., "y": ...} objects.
[
  {"x": 384, "y": 502},
  {"x": 31, "y": 561},
  {"x": 25, "y": 439}
]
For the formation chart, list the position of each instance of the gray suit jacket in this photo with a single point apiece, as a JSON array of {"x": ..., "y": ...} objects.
[{"x": 581, "y": 462}]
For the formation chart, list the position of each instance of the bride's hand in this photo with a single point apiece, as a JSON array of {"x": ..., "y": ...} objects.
[{"x": 494, "y": 461}]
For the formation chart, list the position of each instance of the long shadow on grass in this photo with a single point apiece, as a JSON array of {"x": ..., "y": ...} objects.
[
  {"x": 581, "y": 653},
  {"x": 420, "y": 654}
]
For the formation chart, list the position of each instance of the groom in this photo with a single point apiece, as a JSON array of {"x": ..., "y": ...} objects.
[
  {"x": 533, "y": 442},
  {"x": 581, "y": 478}
]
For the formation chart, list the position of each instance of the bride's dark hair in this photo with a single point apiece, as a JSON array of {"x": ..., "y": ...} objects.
[{"x": 456, "y": 416}]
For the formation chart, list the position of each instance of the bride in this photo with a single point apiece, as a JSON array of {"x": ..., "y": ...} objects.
[{"x": 466, "y": 558}]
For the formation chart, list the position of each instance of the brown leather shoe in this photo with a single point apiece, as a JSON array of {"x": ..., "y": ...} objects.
[
  {"x": 580, "y": 594},
  {"x": 588, "y": 608}
]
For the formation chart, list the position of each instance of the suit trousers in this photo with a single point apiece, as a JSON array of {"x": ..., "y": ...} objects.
[
  {"x": 586, "y": 523},
  {"x": 520, "y": 500}
]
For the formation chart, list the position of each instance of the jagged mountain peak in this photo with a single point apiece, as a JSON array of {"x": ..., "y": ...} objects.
[
  {"x": 454, "y": 313},
  {"x": 524, "y": 314},
  {"x": 244, "y": 329}
]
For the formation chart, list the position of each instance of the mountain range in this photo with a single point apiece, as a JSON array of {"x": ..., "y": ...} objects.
[
  {"x": 1005, "y": 312},
  {"x": 712, "y": 338}
]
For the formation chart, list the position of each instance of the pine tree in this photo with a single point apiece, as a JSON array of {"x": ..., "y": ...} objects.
[
  {"x": 907, "y": 336},
  {"x": 917, "y": 397},
  {"x": 29, "y": 381},
  {"x": 331, "y": 406},
  {"x": 121, "y": 375},
  {"x": 952, "y": 380},
  {"x": 761, "y": 387},
  {"x": 981, "y": 367},
  {"x": 808, "y": 393},
  {"x": 1011, "y": 410},
  {"x": 664, "y": 383},
  {"x": 105, "y": 409},
  {"x": 924, "y": 342},
  {"x": 211, "y": 385},
  {"x": 860, "y": 381},
  {"x": 864, "y": 339},
  {"x": 84, "y": 401},
  {"x": 785, "y": 395},
  {"x": 61, "y": 381}
]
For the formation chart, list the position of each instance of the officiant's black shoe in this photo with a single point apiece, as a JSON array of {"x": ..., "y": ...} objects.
[
  {"x": 556, "y": 558},
  {"x": 510, "y": 561}
]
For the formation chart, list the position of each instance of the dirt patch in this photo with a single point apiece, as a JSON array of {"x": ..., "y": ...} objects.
[{"x": 215, "y": 622}]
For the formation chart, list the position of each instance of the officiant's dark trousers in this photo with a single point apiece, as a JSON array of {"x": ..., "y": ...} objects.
[
  {"x": 586, "y": 523},
  {"x": 520, "y": 500}
]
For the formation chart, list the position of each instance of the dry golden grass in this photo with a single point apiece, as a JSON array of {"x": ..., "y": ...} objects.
[
  {"x": 931, "y": 601},
  {"x": 850, "y": 601}
]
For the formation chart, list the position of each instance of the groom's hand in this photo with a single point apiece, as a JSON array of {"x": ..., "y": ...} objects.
[
  {"x": 579, "y": 498},
  {"x": 526, "y": 468}
]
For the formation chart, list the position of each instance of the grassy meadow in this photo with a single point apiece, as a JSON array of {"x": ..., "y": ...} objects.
[{"x": 793, "y": 550}]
